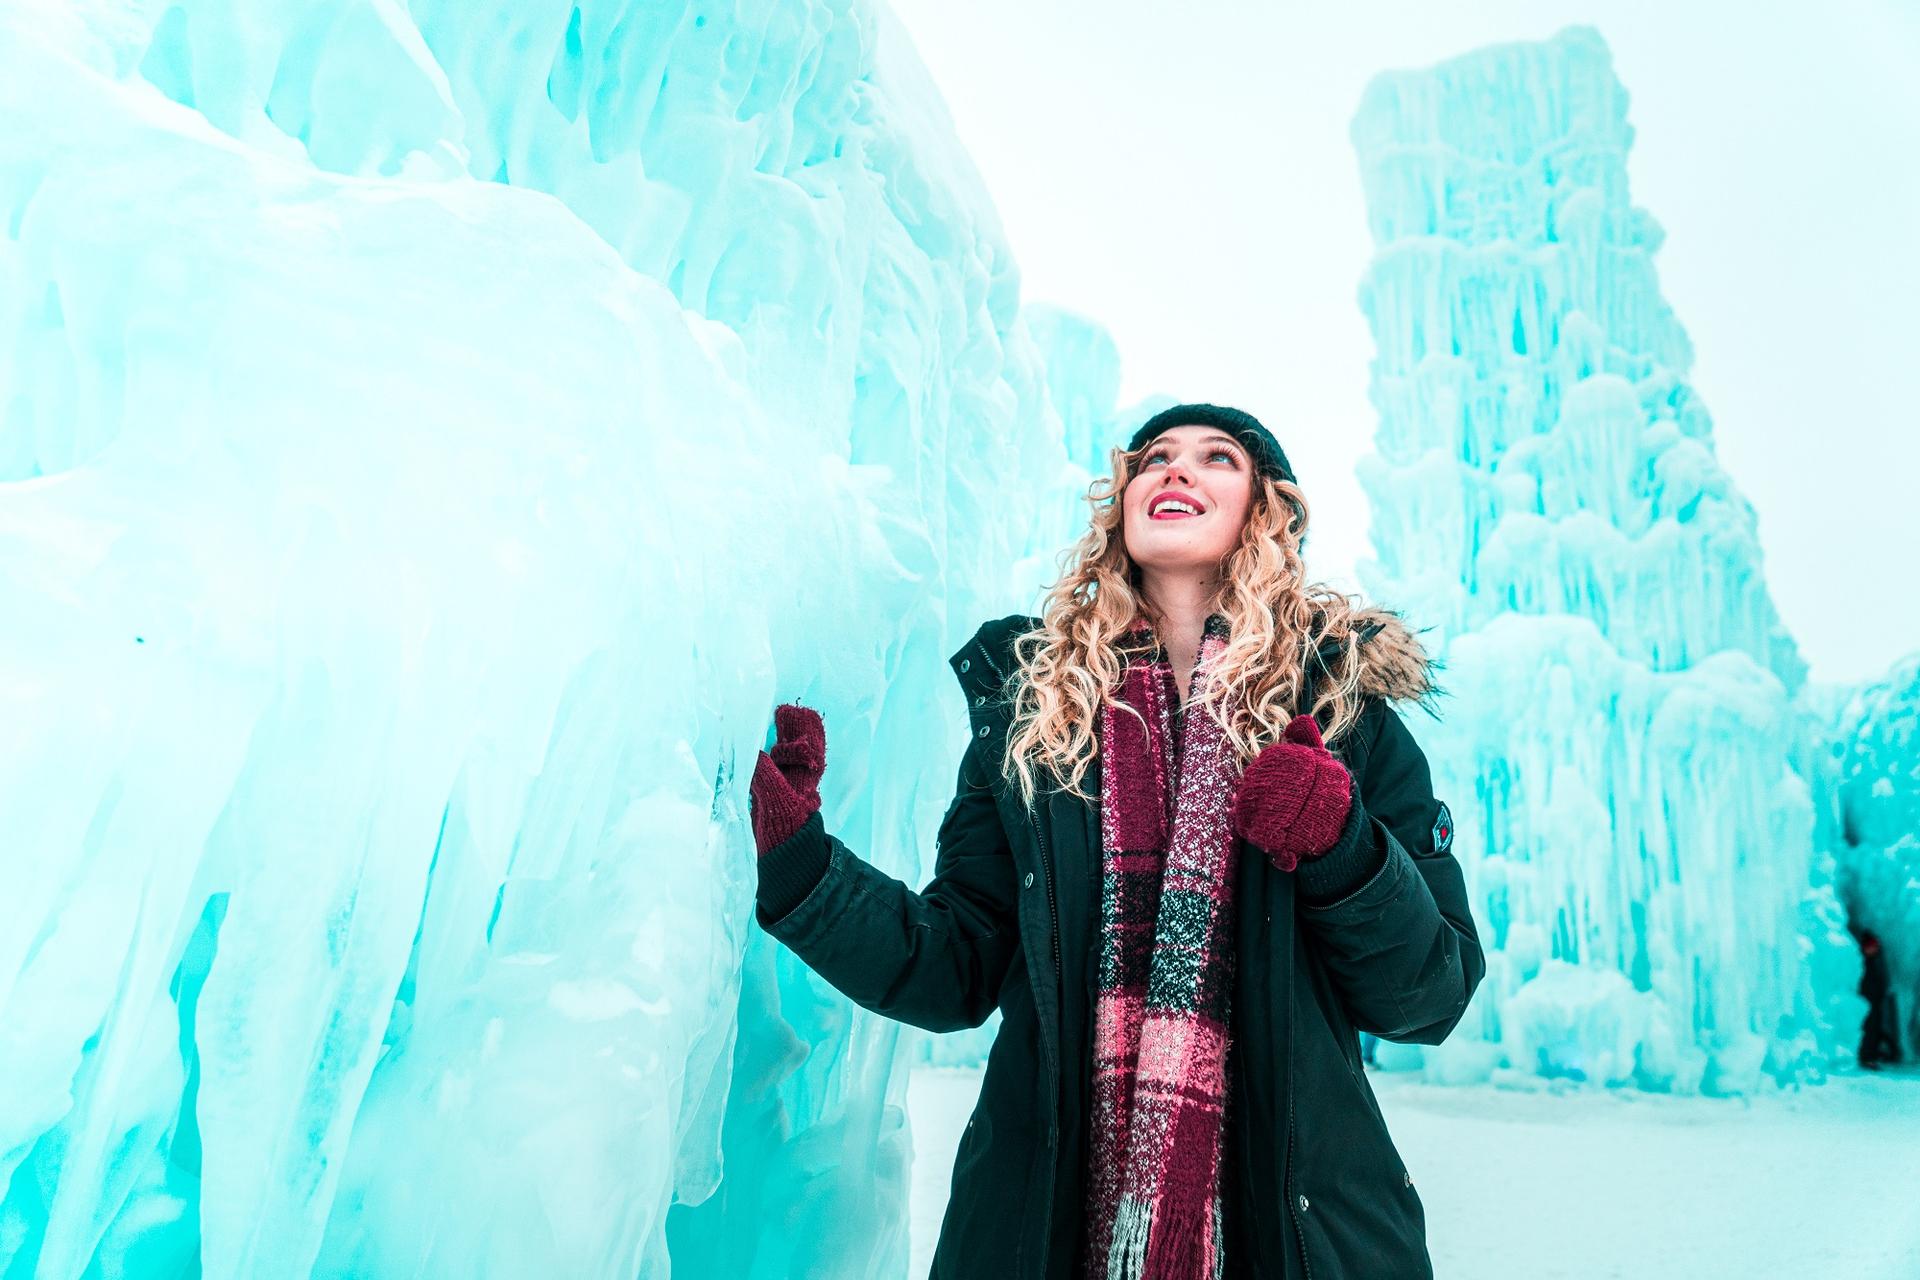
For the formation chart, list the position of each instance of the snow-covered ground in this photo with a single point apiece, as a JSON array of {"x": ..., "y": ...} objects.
[{"x": 1589, "y": 1185}]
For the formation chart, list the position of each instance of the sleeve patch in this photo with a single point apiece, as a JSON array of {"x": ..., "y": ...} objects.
[{"x": 1443, "y": 830}]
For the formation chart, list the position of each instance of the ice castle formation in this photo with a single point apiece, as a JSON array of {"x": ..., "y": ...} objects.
[
  {"x": 435, "y": 437},
  {"x": 1635, "y": 784},
  {"x": 1878, "y": 756}
]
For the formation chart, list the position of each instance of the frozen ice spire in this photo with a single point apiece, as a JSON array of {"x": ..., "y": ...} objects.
[{"x": 1623, "y": 750}]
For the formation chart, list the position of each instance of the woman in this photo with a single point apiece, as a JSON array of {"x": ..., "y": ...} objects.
[{"x": 1182, "y": 900}]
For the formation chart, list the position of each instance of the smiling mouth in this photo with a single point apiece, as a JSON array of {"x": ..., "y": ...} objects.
[{"x": 1167, "y": 512}]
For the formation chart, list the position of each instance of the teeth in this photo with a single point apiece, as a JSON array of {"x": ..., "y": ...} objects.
[{"x": 1174, "y": 504}]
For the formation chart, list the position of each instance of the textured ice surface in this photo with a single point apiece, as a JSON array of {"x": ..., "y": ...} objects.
[
  {"x": 1878, "y": 752},
  {"x": 1633, "y": 776},
  {"x": 434, "y": 437}
]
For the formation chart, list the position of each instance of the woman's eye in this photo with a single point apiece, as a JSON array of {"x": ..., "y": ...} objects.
[{"x": 1212, "y": 453}]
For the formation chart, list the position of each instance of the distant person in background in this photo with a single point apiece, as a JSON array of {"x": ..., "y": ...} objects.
[
  {"x": 1368, "y": 1041},
  {"x": 1878, "y": 1043},
  {"x": 1183, "y": 950}
]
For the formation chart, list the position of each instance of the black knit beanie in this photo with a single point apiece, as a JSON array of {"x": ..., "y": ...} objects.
[{"x": 1268, "y": 458}]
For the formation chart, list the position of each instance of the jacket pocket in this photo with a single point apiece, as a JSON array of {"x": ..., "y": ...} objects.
[
  {"x": 1351, "y": 1192},
  {"x": 993, "y": 1199}
]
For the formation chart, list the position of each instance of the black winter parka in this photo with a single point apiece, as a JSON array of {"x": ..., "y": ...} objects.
[{"x": 1313, "y": 1188}]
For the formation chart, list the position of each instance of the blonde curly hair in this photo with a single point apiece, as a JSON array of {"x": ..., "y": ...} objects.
[{"x": 1068, "y": 668}]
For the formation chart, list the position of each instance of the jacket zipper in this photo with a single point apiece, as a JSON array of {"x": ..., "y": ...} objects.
[
  {"x": 1293, "y": 1204},
  {"x": 1053, "y": 911},
  {"x": 1059, "y": 982},
  {"x": 1286, "y": 1181}
]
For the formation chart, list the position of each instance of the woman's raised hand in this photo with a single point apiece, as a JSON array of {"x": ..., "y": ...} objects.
[
  {"x": 1293, "y": 798},
  {"x": 785, "y": 789}
]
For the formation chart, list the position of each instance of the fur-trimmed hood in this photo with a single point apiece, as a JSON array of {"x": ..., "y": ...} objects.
[{"x": 1393, "y": 664}]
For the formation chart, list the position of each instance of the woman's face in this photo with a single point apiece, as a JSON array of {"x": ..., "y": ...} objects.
[{"x": 1208, "y": 471}]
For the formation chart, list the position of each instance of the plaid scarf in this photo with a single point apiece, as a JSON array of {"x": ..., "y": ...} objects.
[{"x": 1165, "y": 976}]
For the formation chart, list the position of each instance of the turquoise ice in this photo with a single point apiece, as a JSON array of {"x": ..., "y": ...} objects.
[
  {"x": 434, "y": 438},
  {"x": 1876, "y": 751},
  {"x": 1635, "y": 774}
]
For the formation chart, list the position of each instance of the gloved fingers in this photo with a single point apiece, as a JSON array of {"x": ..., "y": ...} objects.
[
  {"x": 768, "y": 778},
  {"x": 803, "y": 762},
  {"x": 793, "y": 722},
  {"x": 1305, "y": 730},
  {"x": 1270, "y": 797},
  {"x": 800, "y": 743}
]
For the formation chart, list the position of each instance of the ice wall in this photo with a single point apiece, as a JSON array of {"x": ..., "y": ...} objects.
[
  {"x": 1082, "y": 364},
  {"x": 434, "y": 438},
  {"x": 1624, "y": 752},
  {"x": 1878, "y": 748}
]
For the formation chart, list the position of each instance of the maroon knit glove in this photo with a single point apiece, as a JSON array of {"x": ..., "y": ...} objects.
[
  {"x": 785, "y": 789},
  {"x": 1293, "y": 798}
]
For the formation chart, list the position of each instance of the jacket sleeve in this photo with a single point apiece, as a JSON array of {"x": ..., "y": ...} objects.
[
  {"x": 1401, "y": 949},
  {"x": 934, "y": 959}
]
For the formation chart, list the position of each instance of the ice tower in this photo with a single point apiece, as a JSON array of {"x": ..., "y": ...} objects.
[
  {"x": 1623, "y": 746},
  {"x": 1878, "y": 761}
]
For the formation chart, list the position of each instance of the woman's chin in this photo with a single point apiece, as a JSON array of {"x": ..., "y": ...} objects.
[{"x": 1186, "y": 559}]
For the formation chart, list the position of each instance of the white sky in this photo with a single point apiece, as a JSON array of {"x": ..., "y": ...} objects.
[{"x": 1183, "y": 175}]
